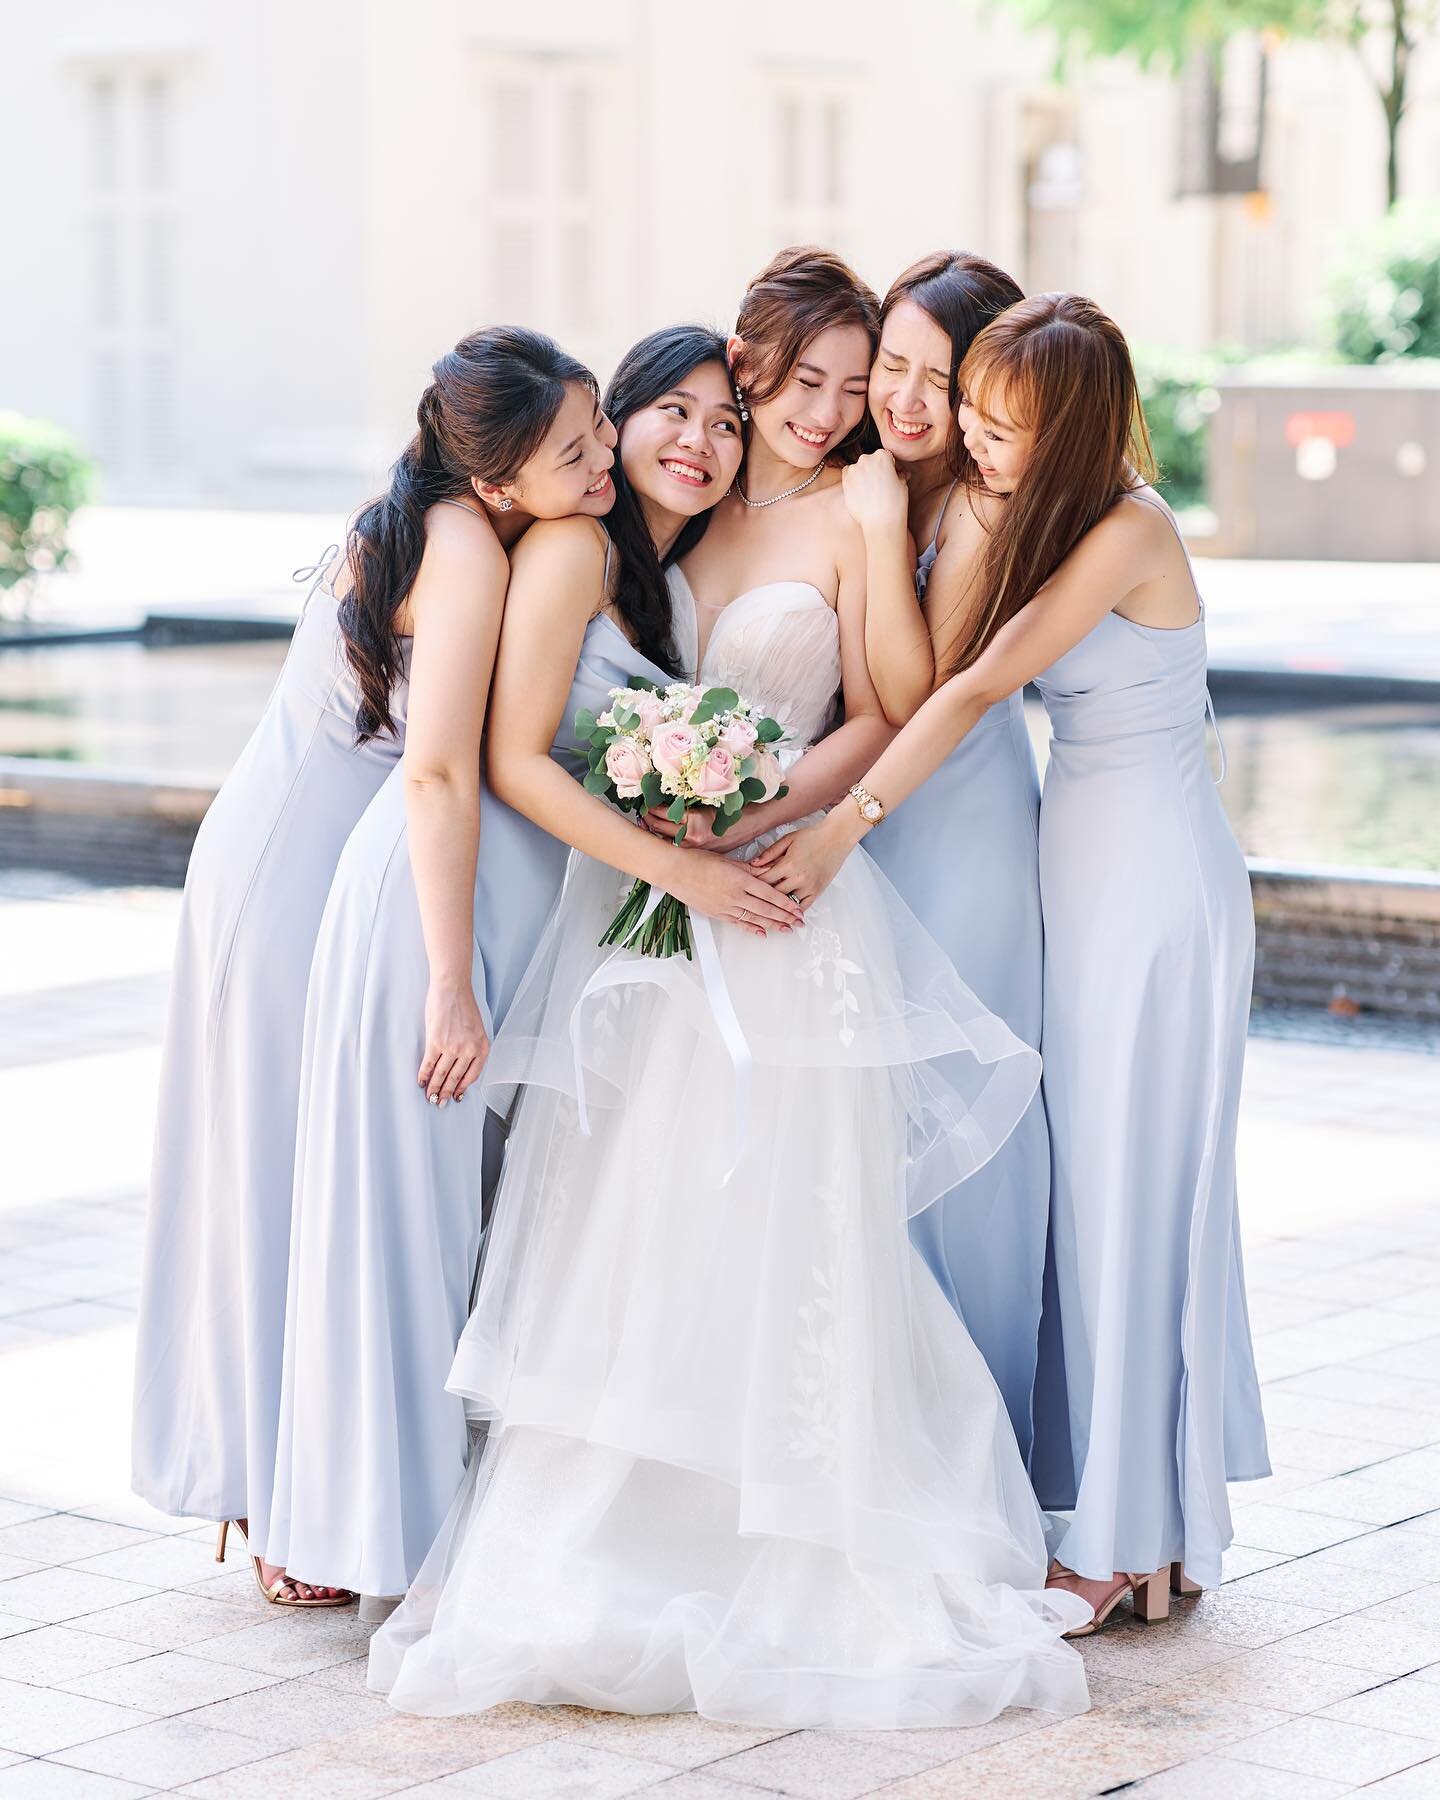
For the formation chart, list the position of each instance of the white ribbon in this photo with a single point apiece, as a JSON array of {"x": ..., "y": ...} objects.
[{"x": 613, "y": 973}]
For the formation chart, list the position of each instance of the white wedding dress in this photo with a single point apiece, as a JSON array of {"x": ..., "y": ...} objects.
[{"x": 743, "y": 1457}]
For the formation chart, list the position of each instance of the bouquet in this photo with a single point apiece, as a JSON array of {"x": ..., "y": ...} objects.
[{"x": 689, "y": 746}]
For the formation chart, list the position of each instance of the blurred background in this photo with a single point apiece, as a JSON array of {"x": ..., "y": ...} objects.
[{"x": 246, "y": 231}]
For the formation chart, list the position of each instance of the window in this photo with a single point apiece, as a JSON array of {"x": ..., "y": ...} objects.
[
  {"x": 540, "y": 197},
  {"x": 811, "y": 185},
  {"x": 131, "y": 117}
]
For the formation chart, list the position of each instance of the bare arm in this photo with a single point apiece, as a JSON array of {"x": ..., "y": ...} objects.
[
  {"x": 555, "y": 591},
  {"x": 897, "y": 638},
  {"x": 456, "y": 606}
]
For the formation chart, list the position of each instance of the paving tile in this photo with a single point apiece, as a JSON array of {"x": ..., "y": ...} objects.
[
  {"x": 316, "y": 1771},
  {"x": 1333, "y": 1749},
  {"x": 170, "y": 1562},
  {"x": 1283, "y": 1529},
  {"x": 167, "y": 1621},
  {"x": 1240, "y": 1560},
  {"x": 430, "y": 1748},
  {"x": 1402, "y": 1548},
  {"x": 15, "y": 1512},
  {"x": 1210, "y": 1776},
  {"x": 290, "y": 1644},
  {"x": 1348, "y": 1419},
  {"x": 167, "y": 1683},
  {"x": 1276, "y": 1676},
  {"x": 38, "y": 1721},
  {"x": 1377, "y": 1644},
  {"x": 1368, "y": 1495},
  {"x": 164, "y": 1753},
  {"x": 295, "y": 1712},
  {"x": 701, "y": 1784},
  {"x": 826, "y": 1765},
  {"x": 1156, "y": 1654},
  {"x": 1420, "y": 1782},
  {"x": 560, "y": 1770},
  {"x": 1323, "y": 1453},
  {"x": 1327, "y": 1587},
  {"x": 63, "y": 1538},
  {"x": 55, "y": 1595},
  {"x": 130, "y": 1509},
  {"x": 11, "y": 1566},
  {"x": 52, "y": 1654},
  {"x": 42, "y": 1780},
  {"x": 1417, "y": 1608},
  {"x": 1235, "y": 1615},
  {"x": 682, "y": 1740},
  {"x": 1407, "y": 1705},
  {"x": 10, "y": 1627},
  {"x": 1420, "y": 1358}
]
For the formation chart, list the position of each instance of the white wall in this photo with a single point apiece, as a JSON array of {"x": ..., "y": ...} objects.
[{"x": 334, "y": 198}]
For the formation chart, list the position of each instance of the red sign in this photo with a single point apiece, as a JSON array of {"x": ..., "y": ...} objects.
[{"x": 1337, "y": 427}]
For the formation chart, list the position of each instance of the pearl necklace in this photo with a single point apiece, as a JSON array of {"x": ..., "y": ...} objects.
[{"x": 775, "y": 499}]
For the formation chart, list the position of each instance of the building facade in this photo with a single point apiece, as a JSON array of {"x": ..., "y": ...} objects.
[{"x": 245, "y": 232}]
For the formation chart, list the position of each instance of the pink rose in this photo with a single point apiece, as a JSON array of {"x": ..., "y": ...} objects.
[
  {"x": 692, "y": 704},
  {"x": 650, "y": 707},
  {"x": 767, "y": 769},
  {"x": 626, "y": 766},
  {"x": 670, "y": 745},
  {"x": 738, "y": 737},
  {"x": 717, "y": 776}
]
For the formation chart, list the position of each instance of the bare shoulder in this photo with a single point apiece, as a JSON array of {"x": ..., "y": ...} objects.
[
  {"x": 833, "y": 515},
  {"x": 562, "y": 565},
  {"x": 461, "y": 546},
  {"x": 1142, "y": 521}
]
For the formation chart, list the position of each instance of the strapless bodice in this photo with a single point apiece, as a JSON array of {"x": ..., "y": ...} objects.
[{"x": 778, "y": 646}]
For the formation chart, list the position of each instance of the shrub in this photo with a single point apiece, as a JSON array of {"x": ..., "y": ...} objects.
[
  {"x": 1386, "y": 294},
  {"x": 44, "y": 476},
  {"x": 1178, "y": 394}
]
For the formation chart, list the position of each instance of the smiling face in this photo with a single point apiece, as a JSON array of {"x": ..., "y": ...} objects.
[
  {"x": 821, "y": 401},
  {"x": 682, "y": 451},
  {"x": 910, "y": 384},
  {"x": 998, "y": 445},
  {"x": 570, "y": 471}
]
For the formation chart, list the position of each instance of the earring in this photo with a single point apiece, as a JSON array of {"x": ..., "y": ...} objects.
[
  {"x": 740, "y": 402},
  {"x": 505, "y": 505}
]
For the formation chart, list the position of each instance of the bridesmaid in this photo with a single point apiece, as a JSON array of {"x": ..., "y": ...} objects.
[
  {"x": 211, "y": 1324},
  {"x": 1081, "y": 583},
  {"x": 964, "y": 853},
  {"x": 388, "y": 1189}
]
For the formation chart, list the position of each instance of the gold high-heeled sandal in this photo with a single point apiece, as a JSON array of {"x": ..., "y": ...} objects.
[
  {"x": 1149, "y": 1600},
  {"x": 275, "y": 1594}
]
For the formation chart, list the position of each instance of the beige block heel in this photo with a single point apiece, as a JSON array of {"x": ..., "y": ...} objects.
[{"x": 1181, "y": 1584}]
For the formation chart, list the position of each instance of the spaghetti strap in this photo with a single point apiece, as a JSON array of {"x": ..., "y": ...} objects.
[
  {"x": 473, "y": 511},
  {"x": 934, "y": 544},
  {"x": 1219, "y": 741},
  {"x": 315, "y": 574},
  {"x": 609, "y": 551}
]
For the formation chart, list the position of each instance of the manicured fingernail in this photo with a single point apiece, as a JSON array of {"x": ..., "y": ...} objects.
[{"x": 434, "y": 1099}]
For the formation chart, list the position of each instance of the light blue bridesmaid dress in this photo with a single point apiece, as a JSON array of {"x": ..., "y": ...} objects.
[
  {"x": 388, "y": 1189},
  {"x": 1147, "y": 1398},
  {"x": 962, "y": 852},
  {"x": 212, "y": 1312}
]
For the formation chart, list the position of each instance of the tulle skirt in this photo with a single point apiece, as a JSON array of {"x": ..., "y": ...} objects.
[{"x": 743, "y": 1456}]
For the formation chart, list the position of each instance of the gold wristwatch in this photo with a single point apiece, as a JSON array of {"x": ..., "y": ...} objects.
[{"x": 872, "y": 811}]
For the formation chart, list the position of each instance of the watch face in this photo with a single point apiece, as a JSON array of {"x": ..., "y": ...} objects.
[{"x": 871, "y": 810}]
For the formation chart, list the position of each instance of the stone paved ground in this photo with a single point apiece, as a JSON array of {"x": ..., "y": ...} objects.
[{"x": 130, "y": 1664}]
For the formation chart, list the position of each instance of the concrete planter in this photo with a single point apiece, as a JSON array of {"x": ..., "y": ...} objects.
[{"x": 1332, "y": 462}]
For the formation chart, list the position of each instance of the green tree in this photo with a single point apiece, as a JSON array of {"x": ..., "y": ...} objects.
[{"x": 1383, "y": 34}]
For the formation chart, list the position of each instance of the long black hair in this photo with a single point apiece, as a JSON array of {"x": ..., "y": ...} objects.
[
  {"x": 656, "y": 365},
  {"x": 962, "y": 294},
  {"x": 487, "y": 409}
]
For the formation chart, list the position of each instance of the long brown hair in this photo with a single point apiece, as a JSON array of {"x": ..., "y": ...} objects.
[
  {"x": 962, "y": 294},
  {"x": 799, "y": 293},
  {"x": 1063, "y": 371}
]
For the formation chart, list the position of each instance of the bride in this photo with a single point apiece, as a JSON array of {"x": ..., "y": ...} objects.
[{"x": 742, "y": 1456}]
